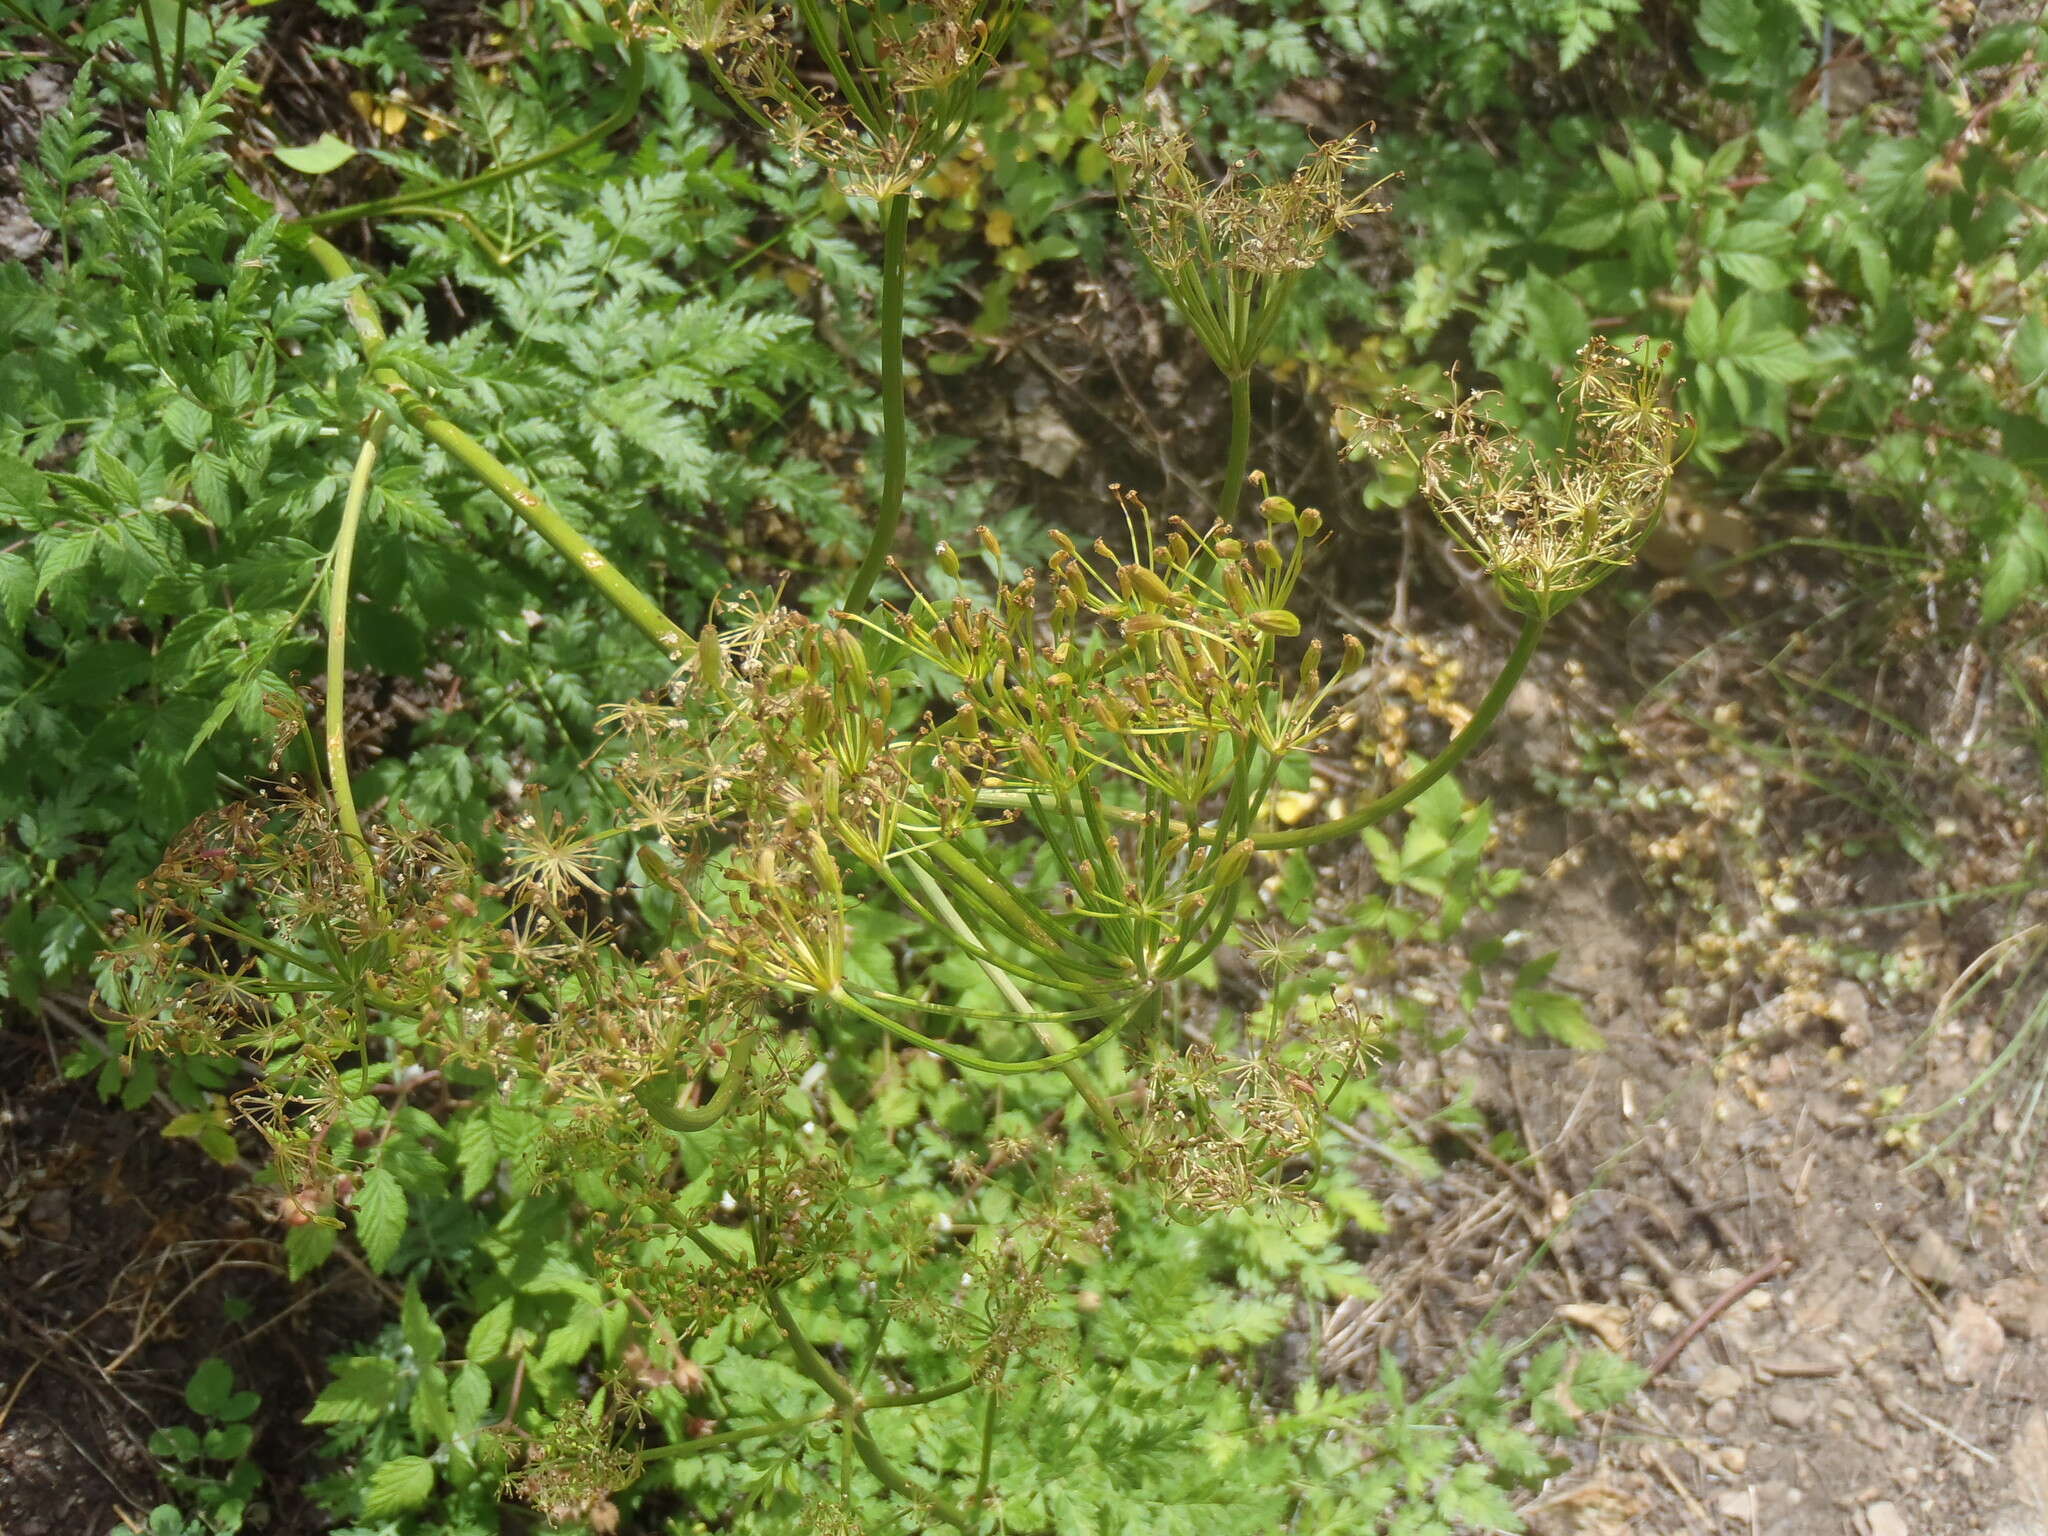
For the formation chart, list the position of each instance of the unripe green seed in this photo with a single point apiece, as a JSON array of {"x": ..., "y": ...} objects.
[{"x": 1275, "y": 621}]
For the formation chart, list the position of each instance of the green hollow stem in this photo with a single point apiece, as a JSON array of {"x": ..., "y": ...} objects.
[
  {"x": 658, "y": 1095},
  {"x": 632, "y": 83},
  {"x": 156, "y": 51},
  {"x": 1460, "y": 747},
  {"x": 895, "y": 444},
  {"x": 532, "y": 508},
  {"x": 1075, "y": 1073},
  {"x": 884, "y": 1471},
  {"x": 338, "y": 573},
  {"x": 1240, "y": 447}
]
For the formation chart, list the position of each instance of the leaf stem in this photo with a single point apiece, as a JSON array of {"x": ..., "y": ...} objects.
[
  {"x": 419, "y": 198},
  {"x": 895, "y": 446},
  {"x": 532, "y": 508},
  {"x": 1460, "y": 747},
  {"x": 337, "y": 655}
]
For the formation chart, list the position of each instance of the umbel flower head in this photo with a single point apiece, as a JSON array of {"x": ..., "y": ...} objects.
[
  {"x": 903, "y": 78},
  {"x": 1548, "y": 527},
  {"x": 1230, "y": 251}
]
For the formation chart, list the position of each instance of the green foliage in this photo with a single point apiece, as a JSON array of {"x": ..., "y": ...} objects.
[
  {"x": 1853, "y": 290},
  {"x": 209, "y": 1469},
  {"x": 171, "y": 465},
  {"x": 1844, "y": 248}
]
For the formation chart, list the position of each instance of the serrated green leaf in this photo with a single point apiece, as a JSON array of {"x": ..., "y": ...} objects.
[
  {"x": 380, "y": 1216},
  {"x": 306, "y": 1248},
  {"x": 362, "y": 1392},
  {"x": 2014, "y": 572},
  {"x": 1587, "y": 222},
  {"x": 422, "y": 1334},
  {"x": 401, "y": 1484},
  {"x": 1556, "y": 1016},
  {"x": 490, "y": 1333},
  {"x": 476, "y": 1153}
]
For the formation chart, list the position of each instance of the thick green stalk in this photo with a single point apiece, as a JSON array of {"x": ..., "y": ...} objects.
[
  {"x": 529, "y": 504},
  {"x": 337, "y": 656},
  {"x": 895, "y": 445},
  {"x": 658, "y": 1095},
  {"x": 1234, "y": 467},
  {"x": 1452, "y": 755}
]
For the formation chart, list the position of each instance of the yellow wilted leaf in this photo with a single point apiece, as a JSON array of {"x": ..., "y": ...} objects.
[
  {"x": 1002, "y": 229},
  {"x": 381, "y": 113},
  {"x": 797, "y": 280},
  {"x": 1293, "y": 806}
]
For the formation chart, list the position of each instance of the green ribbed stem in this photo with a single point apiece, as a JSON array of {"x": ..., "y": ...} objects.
[
  {"x": 1452, "y": 755},
  {"x": 1234, "y": 467},
  {"x": 532, "y": 508},
  {"x": 338, "y": 573},
  {"x": 895, "y": 442}
]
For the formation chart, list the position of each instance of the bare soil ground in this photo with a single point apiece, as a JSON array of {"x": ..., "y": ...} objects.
[
  {"x": 125, "y": 1260},
  {"x": 1844, "y": 1342}
]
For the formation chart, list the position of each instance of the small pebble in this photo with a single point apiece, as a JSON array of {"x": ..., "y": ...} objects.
[
  {"x": 1720, "y": 1383},
  {"x": 1794, "y": 1410}
]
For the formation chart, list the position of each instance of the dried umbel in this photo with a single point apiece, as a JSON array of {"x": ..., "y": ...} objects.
[
  {"x": 1228, "y": 252},
  {"x": 1550, "y": 526},
  {"x": 903, "y": 78}
]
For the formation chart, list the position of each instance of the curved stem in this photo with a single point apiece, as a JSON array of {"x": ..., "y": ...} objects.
[
  {"x": 973, "y": 1061},
  {"x": 815, "y": 1366},
  {"x": 1076, "y": 1074},
  {"x": 532, "y": 508},
  {"x": 1240, "y": 447},
  {"x": 658, "y": 1095},
  {"x": 337, "y": 656},
  {"x": 1452, "y": 755},
  {"x": 632, "y": 83},
  {"x": 895, "y": 446}
]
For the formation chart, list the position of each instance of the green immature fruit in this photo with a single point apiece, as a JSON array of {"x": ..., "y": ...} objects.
[
  {"x": 710, "y": 656},
  {"x": 1275, "y": 621},
  {"x": 851, "y": 659},
  {"x": 1236, "y": 592},
  {"x": 1237, "y": 858},
  {"x": 1146, "y": 584}
]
